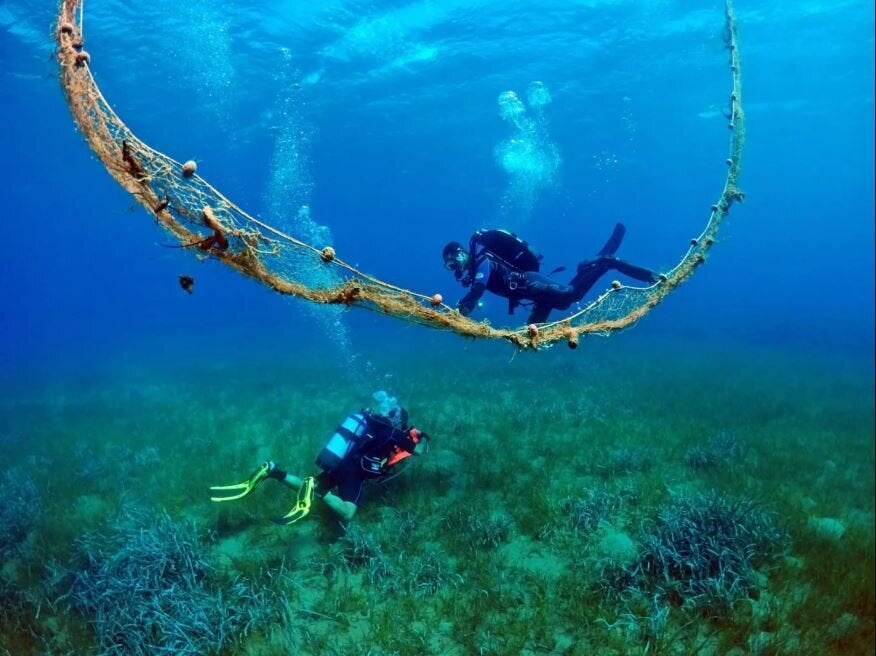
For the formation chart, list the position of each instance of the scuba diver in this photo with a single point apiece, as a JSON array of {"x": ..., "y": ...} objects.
[
  {"x": 500, "y": 262},
  {"x": 367, "y": 445}
]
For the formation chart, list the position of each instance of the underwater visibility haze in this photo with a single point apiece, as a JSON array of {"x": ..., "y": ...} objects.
[{"x": 700, "y": 482}]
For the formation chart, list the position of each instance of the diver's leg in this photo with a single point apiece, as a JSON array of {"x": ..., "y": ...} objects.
[
  {"x": 547, "y": 295},
  {"x": 610, "y": 248},
  {"x": 280, "y": 475},
  {"x": 633, "y": 271},
  {"x": 542, "y": 289},
  {"x": 345, "y": 500},
  {"x": 344, "y": 509},
  {"x": 589, "y": 272},
  {"x": 292, "y": 481},
  {"x": 540, "y": 312},
  {"x": 614, "y": 242}
]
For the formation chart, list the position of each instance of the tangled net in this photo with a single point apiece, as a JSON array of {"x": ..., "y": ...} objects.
[{"x": 201, "y": 218}]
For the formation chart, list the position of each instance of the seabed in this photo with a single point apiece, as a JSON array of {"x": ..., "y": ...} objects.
[{"x": 622, "y": 501}]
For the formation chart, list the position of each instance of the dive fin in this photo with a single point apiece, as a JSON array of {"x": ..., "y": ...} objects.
[
  {"x": 614, "y": 242},
  {"x": 240, "y": 490},
  {"x": 302, "y": 505}
]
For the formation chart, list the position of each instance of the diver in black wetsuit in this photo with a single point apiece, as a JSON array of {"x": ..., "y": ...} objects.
[{"x": 499, "y": 262}]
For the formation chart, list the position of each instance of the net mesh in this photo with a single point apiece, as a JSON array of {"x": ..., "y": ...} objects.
[{"x": 211, "y": 225}]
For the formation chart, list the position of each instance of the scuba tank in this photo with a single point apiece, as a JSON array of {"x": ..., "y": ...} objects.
[
  {"x": 503, "y": 245},
  {"x": 342, "y": 441},
  {"x": 364, "y": 435}
]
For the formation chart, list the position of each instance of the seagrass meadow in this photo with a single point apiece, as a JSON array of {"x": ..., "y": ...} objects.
[
  {"x": 615, "y": 257},
  {"x": 700, "y": 501}
]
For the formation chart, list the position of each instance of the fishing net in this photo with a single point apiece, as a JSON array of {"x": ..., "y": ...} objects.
[{"x": 211, "y": 225}]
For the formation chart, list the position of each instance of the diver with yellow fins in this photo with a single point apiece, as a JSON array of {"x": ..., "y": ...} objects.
[{"x": 367, "y": 445}]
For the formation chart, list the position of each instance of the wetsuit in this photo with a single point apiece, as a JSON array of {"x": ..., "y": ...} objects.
[
  {"x": 346, "y": 480},
  {"x": 488, "y": 273}
]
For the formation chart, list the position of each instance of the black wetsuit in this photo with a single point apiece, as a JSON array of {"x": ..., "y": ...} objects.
[
  {"x": 346, "y": 480},
  {"x": 488, "y": 273}
]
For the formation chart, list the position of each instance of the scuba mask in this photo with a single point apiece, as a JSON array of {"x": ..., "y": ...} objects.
[{"x": 456, "y": 262}]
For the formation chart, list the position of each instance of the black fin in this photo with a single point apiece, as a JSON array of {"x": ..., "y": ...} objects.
[{"x": 614, "y": 242}]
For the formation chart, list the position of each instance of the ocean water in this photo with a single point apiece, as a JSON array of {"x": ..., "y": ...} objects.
[{"x": 699, "y": 484}]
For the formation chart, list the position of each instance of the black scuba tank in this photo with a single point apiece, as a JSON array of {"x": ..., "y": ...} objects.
[{"x": 507, "y": 247}]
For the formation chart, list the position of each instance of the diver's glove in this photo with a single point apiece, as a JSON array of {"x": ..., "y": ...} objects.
[{"x": 423, "y": 443}]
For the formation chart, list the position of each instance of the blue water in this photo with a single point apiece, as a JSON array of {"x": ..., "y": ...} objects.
[{"x": 391, "y": 111}]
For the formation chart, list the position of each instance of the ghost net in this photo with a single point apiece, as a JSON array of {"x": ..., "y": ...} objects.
[{"x": 203, "y": 219}]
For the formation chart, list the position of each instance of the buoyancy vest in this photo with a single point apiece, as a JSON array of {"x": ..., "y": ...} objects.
[
  {"x": 371, "y": 439},
  {"x": 506, "y": 248}
]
